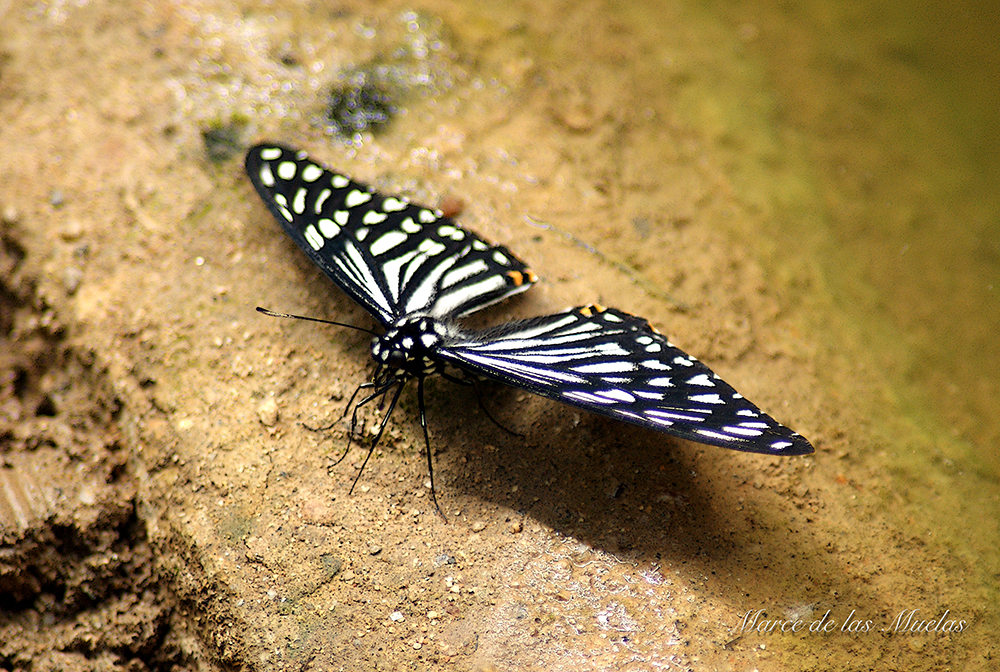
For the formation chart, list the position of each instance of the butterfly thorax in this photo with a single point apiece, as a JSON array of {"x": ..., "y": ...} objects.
[{"x": 409, "y": 347}]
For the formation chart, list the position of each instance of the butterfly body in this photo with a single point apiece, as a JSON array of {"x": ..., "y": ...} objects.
[
  {"x": 410, "y": 346},
  {"x": 417, "y": 272}
]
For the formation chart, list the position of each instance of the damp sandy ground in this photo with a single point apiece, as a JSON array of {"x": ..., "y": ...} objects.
[{"x": 163, "y": 507}]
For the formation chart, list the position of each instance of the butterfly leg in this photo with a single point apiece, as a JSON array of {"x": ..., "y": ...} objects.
[
  {"x": 427, "y": 445},
  {"x": 352, "y": 432},
  {"x": 381, "y": 428},
  {"x": 471, "y": 380},
  {"x": 346, "y": 409},
  {"x": 362, "y": 386}
]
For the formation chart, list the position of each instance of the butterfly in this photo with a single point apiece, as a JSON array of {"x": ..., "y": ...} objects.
[{"x": 417, "y": 272}]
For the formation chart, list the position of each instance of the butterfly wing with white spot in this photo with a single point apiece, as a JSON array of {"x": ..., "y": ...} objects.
[
  {"x": 393, "y": 257},
  {"x": 609, "y": 362}
]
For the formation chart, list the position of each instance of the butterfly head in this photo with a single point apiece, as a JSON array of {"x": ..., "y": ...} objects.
[{"x": 409, "y": 347}]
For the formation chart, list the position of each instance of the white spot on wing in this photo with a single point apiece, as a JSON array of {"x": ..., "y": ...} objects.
[
  {"x": 320, "y": 200},
  {"x": 391, "y": 204},
  {"x": 270, "y": 153},
  {"x": 313, "y": 238},
  {"x": 649, "y": 395},
  {"x": 387, "y": 241},
  {"x": 715, "y": 435},
  {"x": 328, "y": 228},
  {"x": 657, "y": 413},
  {"x": 450, "y": 301},
  {"x": 430, "y": 247},
  {"x": 742, "y": 431},
  {"x": 457, "y": 275},
  {"x": 617, "y": 395},
  {"x": 282, "y": 203},
  {"x": 299, "y": 202},
  {"x": 287, "y": 170},
  {"x": 373, "y": 217},
  {"x": 266, "y": 176},
  {"x": 605, "y": 367},
  {"x": 356, "y": 197},
  {"x": 311, "y": 173},
  {"x": 339, "y": 181}
]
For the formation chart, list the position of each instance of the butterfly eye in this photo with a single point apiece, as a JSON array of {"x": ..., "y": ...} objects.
[{"x": 396, "y": 359}]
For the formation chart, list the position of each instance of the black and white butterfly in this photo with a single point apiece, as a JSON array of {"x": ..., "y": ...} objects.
[{"x": 417, "y": 271}]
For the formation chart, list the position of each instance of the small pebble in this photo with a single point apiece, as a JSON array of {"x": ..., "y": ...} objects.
[
  {"x": 71, "y": 279},
  {"x": 71, "y": 230},
  {"x": 267, "y": 411},
  {"x": 478, "y": 526}
]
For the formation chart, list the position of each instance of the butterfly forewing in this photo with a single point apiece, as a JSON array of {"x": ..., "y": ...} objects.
[
  {"x": 393, "y": 257},
  {"x": 616, "y": 364}
]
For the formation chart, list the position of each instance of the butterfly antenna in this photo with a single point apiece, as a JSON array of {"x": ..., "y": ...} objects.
[{"x": 271, "y": 313}]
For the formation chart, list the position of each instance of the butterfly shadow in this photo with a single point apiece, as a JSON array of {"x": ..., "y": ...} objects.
[{"x": 634, "y": 494}]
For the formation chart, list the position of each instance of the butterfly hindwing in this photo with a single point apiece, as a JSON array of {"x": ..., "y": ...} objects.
[
  {"x": 393, "y": 257},
  {"x": 615, "y": 364}
]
